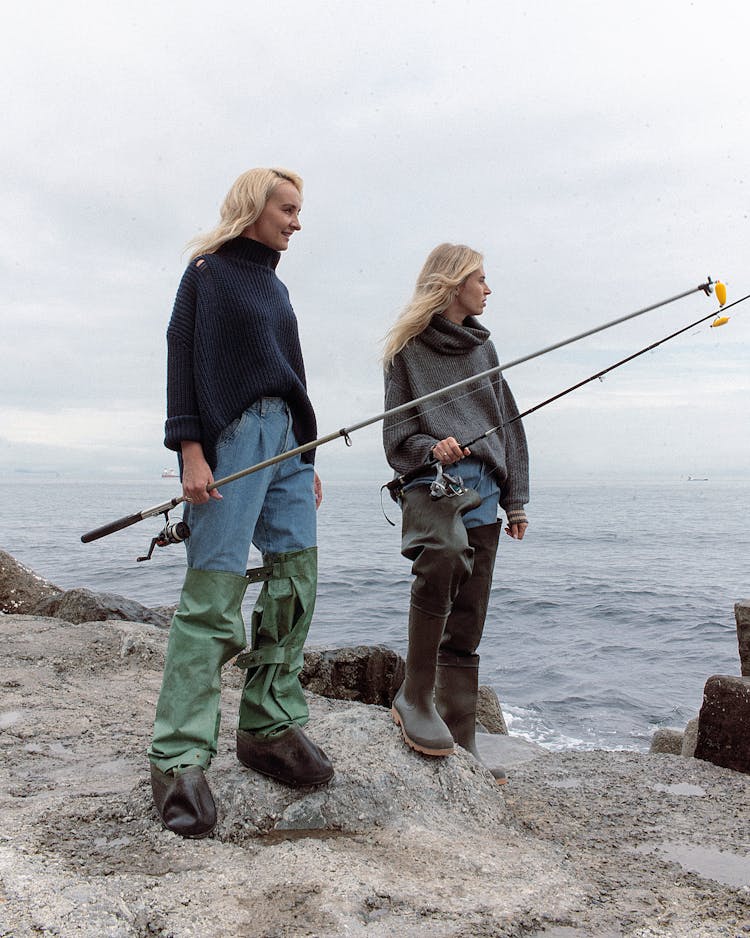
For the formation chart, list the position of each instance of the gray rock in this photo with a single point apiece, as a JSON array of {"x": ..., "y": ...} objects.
[
  {"x": 723, "y": 736},
  {"x": 508, "y": 751},
  {"x": 21, "y": 590},
  {"x": 689, "y": 739},
  {"x": 489, "y": 712},
  {"x": 366, "y": 673},
  {"x": 668, "y": 740},
  {"x": 577, "y": 844},
  {"x": 82, "y": 605},
  {"x": 742, "y": 618},
  {"x": 379, "y": 782}
]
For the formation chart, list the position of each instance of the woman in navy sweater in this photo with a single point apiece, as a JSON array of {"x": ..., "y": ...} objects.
[{"x": 236, "y": 395}]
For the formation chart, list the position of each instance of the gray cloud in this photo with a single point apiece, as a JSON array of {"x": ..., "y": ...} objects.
[{"x": 596, "y": 155}]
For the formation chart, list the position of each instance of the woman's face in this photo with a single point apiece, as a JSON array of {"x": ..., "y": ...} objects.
[
  {"x": 470, "y": 299},
  {"x": 279, "y": 219}
]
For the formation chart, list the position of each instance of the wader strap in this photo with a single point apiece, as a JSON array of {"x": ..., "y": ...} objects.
[
  {"x": 272, "y": 654},
  {"x": 272, "y": 571}
]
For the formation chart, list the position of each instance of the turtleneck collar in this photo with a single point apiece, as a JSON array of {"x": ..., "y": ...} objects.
[
  {"x": 451, "y": 339},
  {"x": 246, "y": 249}
]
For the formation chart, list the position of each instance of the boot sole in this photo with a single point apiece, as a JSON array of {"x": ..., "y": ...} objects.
[{"x": 427, "y": 751}]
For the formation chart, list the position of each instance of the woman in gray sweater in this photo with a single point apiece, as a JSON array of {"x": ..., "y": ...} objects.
[{"x": 450, "y": 526}]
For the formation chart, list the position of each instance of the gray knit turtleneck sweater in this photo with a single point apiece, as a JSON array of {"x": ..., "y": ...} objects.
[{"x": 441, "y": 355}]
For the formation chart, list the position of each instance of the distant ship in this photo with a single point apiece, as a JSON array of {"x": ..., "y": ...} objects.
[
  {"x": 170, "y": 474},
  {"x": 696, "y": 479}
]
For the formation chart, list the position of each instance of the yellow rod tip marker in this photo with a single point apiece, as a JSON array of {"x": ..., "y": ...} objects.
[
  {"x": 719, "y": 321},
  {"x": 721, "y": 293}
]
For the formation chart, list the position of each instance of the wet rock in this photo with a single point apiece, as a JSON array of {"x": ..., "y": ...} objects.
[
  {"x": 82, "y": 605},
  {"x": 507, "y": 751},
  {"x": 742, "y": 618},
  {"x": 666, "y": 739},
  {"x": 690, "y": 738},
  {"x": 489, "y": 712},
  {"x": 723, "y": 723},
  {"x": 367, "y": 673},
  {"x": 21, "y": 590}
]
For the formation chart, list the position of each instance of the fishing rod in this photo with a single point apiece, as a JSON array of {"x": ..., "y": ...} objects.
[
  {"x": 396, "y": 485},
  {"x": 172, "y": 534}
]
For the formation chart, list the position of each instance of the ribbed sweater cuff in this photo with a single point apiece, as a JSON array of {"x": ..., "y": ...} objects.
[
  {"x": 516, "y": 516},
  {"x": 177, "y": 429}
]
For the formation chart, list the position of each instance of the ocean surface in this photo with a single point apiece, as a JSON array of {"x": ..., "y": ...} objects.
[{"x": 604, "y": 622}]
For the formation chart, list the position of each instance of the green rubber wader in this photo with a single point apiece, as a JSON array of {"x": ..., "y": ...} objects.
[
  {"x": 207, "y": 630},
  {"x": 272, "y": 698}
]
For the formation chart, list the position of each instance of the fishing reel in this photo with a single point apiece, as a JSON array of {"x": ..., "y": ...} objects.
[{"x": 173, "y": 532}]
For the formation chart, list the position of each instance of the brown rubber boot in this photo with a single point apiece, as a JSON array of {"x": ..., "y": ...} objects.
[
  {"x": 414, "y": 704},
  {"x": 290, "y": 757},
  {"x": 184, "y": 801}
]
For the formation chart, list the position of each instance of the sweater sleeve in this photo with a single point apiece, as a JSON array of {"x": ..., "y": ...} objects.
[
  {"x": 406, "y": 447},
  {"x": 515, "y": 490},
  {"x": 183, "y": 420}
]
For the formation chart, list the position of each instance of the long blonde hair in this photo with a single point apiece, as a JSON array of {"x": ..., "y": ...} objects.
[
  {"x": 445, "y": 269},
  {"x": 242, "y": 206}
]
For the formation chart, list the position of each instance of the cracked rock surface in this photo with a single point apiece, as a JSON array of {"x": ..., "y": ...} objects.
[{"x": 597, "y": 844}]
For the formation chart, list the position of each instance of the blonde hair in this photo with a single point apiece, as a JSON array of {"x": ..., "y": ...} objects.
[
  {"x": 444, "y": 271},
  {"x": 242, "y": 206}
]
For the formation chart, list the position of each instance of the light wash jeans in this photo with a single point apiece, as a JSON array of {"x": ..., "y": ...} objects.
[
  {"x": 274, "y": 508},
  {"x": 475, "y": 476}
]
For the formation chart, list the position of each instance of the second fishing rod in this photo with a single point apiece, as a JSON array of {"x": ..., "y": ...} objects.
[{"x": 396, "y": 485}]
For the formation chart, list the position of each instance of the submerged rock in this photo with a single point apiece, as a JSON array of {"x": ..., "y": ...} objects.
[{"x": 667, "y": 739}]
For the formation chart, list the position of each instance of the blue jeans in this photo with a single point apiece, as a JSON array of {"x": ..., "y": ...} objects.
[
  {"x": 475, "y": 476},
  {"x": 274, "y": 509}
]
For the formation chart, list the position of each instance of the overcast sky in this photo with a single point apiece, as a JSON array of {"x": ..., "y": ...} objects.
[{"x": 596, "y": 153}]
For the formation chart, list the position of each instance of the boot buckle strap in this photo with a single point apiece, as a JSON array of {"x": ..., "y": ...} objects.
[
  {"x": 272, "y": 571},
  {"x": 272, "y": 654}
]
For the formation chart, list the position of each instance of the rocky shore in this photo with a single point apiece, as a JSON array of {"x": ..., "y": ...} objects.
[{"x": 598, "y": 844}]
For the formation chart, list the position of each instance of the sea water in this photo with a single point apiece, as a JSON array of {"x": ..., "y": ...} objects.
[{"x": 604, "y": 622}]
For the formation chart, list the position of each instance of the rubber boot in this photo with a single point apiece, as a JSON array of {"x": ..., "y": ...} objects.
[
  {"x": 207, "y": 631},
  {"x": 184, "y": 801},
  {"x": 414, "y": 705},
  {"x": 291, "y": 757},
  {"x": 457, "y": 683},
  {"x": 273, "y": 707},
  {"x": 456, "y": 692}
]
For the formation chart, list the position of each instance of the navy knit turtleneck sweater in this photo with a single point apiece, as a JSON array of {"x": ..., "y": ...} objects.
[{"x": 232, "y": 339}]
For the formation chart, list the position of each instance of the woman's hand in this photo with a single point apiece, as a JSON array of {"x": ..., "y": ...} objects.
[
  {"x": 317, "y": 490},
  {"x": 196, "y": 474},
  {"x": 516, "y": 531},
  {"x": 448, "y": 451}
]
